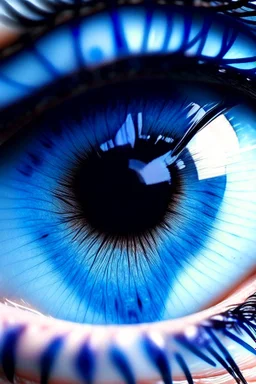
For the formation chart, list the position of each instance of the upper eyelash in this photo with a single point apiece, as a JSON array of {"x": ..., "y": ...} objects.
[
  {"x": 51, "y": 10},
  {"x": 27, "y": 39},
  {"x": 247, "y": 14}
]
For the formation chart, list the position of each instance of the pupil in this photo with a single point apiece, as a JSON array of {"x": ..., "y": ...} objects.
[{"x": 113, "y": 197}]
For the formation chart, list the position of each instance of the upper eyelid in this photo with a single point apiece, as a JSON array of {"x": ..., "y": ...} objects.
[
  {"x": 224, "y": 47},
  {"x": 9, "y": 122},
  {"x": 25, "y": 26}
]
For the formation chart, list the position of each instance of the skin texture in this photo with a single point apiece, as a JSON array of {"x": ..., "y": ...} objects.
[
  {"x": 7, "y": 36},
  {"x": 103, "y": 336}
]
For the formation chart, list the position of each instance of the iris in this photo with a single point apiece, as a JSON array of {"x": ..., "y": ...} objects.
[{"x": 101, "y": 224}]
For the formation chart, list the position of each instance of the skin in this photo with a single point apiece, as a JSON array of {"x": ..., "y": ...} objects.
[
  {"x": 7, "y": 36},
  {"x": 47, "y": 327}
]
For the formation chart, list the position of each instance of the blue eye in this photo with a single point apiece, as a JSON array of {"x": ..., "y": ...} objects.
[{"x": 111, "y": 212}]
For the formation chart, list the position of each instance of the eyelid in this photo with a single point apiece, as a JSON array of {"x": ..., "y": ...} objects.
[
  {"x": 34, "y": 336},
  {"x": 91, "y": 54}
]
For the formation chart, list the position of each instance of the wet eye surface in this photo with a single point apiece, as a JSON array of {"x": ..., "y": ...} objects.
[
  {"x": 133, "y": 201},
  {"x": 101, "y": 224}
]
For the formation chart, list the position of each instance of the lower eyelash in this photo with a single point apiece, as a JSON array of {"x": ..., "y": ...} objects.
[{"x": 205, "y": 344}]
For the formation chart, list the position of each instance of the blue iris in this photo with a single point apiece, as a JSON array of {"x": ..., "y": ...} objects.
[{"x": 105, "y": 224}]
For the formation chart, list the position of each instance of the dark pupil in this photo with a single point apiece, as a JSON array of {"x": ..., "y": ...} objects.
[{"x": 113, "y": 198}]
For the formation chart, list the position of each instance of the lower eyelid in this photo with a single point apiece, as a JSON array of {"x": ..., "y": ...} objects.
[{"x": 41, "y": 331}]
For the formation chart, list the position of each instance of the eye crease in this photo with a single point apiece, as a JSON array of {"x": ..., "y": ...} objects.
[{"x": 127, "y": 199}]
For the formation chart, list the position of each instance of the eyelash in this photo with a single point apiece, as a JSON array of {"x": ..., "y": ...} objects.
[
  {"x": 218, "y": 63},
  {"x": 205, "y": 344},
  {"x": 242, "y": 316}
]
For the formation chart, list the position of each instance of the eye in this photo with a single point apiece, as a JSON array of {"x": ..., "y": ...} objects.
[
  {"x": 95, "y": 191},
  {"x": 127, "y": 193}
]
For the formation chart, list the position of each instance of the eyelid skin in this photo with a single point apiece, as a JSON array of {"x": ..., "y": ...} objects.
[
  {"x": 7, "y": 36},
  {"x": 53, "y": 351}
]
